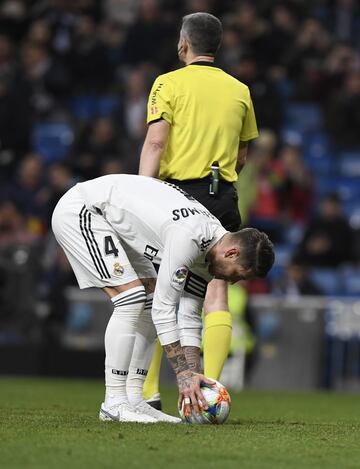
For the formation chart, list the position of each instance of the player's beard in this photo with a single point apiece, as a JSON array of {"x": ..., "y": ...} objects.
[{"x": 215, "y": 272}]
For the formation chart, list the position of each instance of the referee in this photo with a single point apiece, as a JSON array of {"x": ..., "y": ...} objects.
[{"x": 200, "y": 120}]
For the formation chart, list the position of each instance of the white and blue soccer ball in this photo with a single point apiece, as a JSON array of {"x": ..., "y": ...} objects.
[{"x": 219, "y": 403}]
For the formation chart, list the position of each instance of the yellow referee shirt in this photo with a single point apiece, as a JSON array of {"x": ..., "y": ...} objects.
[{"x": 209, "y": 112}]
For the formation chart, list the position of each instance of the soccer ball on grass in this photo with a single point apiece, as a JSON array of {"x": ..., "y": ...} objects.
[{"x": 219, "y": 403}]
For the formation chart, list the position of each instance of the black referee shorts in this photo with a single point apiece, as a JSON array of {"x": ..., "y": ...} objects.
[{"x": 224, "y": 205}]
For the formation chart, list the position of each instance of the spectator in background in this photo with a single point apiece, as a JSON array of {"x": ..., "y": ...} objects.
[
  {"x": 305, "y": 59},
  {"x": 61, "y": 18},
  {"x": 112, "y": 35},
  {"x": 43, "y": 80},
  {"x": 194, "y": 6},
  {"x": 339, "y": 63},
  {"x": 124, "y": 11},
  {"x": 7, "y": 58},
  {"x": 342, "y": 114},
  {"x": 112, "y": 166},
  {"x": 296, "y": 191},
  {"x": 98, "y": 143},
  {"x": 57, "y": 276},
  {"x": 135, "y": 105},
  {"x": 284, "y": 26},
  {"x": 13, "y": 226},
  {"x": 343, "y": 20},
  {"x": 88, "y": 59},
  {"x": 40, "y": 34},
  {"x": 230, "y": 54},
  {"x": 329, "y": 240},
  {"x": 268, "y": 180},
  {"x": 296, "y": 282},
  {"x": 27, "y": 191},
  {"x": 265, "y": 96},
  {"x": 134, "y": 115},
  {"x": 253, "y": 31},
  {"x": 20, "y": 257},
  {"x": 151, "y": 38},
  {"x": 60, "y": 180},
  {"x": 13, "y": 18},
  {"x": 14, "y": 110}
]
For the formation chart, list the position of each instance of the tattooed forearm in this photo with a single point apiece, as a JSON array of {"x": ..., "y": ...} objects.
[
  {"x": 176, "y": 356},
  {"x": 192, "y": 355}
]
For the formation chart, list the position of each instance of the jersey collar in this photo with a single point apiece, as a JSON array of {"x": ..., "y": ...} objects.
[{"x": 203, "y": 62}]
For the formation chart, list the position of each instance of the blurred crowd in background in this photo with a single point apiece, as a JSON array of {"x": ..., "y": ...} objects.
[{"x": 74, "y": 82}]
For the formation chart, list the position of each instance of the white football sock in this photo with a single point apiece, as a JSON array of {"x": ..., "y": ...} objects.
[
  {"x": 142, "y": 354},
  {"x": 119, "y": 342}
]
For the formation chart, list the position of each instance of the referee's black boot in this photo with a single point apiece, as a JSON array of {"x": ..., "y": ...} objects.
[{"x": 155, "y": 401}]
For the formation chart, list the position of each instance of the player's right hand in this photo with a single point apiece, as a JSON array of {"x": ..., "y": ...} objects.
[{"x": 189, "y": 391}]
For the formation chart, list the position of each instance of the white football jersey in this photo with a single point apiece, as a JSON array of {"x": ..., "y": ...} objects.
[{"x": 159, "y": 222}]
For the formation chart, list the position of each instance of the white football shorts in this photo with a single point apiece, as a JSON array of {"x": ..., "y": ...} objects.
[{"x": 92, "y": 246}]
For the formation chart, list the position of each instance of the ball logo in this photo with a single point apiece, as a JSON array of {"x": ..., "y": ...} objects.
[
  {"x": 180, "y": 275},
  {"x": 118, "y": 269}
]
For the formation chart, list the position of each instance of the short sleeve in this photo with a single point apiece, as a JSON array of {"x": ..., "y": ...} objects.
[
  {"x": 160, "y": 105},
  {"x": 249, "y": 129}
]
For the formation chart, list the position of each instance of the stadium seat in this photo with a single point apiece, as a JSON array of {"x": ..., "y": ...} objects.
[
  {"x": 347, "y": 188},
  {"x": 291, "y": 135},
  {"x": 304, "y": 116},
  {"x": 285, "y": 88},
  {"x": 293, "y": 234},
  {"x": 52, "y": 140},
  {"x": 351, "y": 208},
  {"x": 351, "y": 279},
  {"x": 317, "y": 144},
  {"x": 349, "y": 163},
  {"x": 79, "y": 317},
  {"x": 328, "y": 280},
  {"x": 106, "y": 105},
  {"x": 323, "y": 165},
  {"x": 83, "y": 107},
  {"x": 86, "y": 107},
  {"x": 283, "y": 253},
  {"x": 276, "y": 273},
  {"x": 319, "y": 153},
  {"x": 354, "y": 215}
]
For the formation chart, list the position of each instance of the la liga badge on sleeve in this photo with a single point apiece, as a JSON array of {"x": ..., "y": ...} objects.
[{"x": 180, "y": 275}]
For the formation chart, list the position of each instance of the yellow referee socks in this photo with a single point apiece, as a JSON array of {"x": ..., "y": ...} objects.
[
  {"x": 151, "y": 385},
  {"x": 216, "y": 342}
]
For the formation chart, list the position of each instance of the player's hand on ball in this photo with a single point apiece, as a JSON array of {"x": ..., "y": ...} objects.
[{"x": 189, "y": 391}]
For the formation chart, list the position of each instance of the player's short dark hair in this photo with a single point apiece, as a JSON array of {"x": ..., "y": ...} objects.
[
  {"x": 203, "y": 31},
  {"x": 257, "y": 251}
]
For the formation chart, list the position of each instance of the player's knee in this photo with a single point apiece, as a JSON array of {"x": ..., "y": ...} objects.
[
  {"x": 119, "y": 289},
  {"x": 130, "y": 303}
]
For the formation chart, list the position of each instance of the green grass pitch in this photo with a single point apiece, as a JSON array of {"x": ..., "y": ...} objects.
[{"x": 53, "y": 424}]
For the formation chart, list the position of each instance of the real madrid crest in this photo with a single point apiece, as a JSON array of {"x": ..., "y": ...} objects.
[{"x": 118, "y": 269}]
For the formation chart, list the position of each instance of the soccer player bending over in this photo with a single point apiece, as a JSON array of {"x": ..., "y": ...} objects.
[{"x": 112, "y": 229}]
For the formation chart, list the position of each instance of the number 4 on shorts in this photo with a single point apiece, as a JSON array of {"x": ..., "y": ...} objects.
[{"x": 109, "y": 247}]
